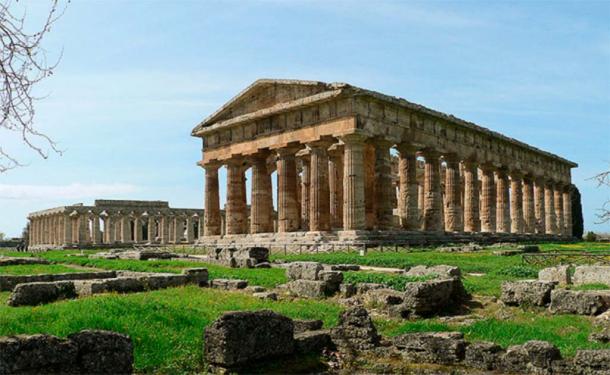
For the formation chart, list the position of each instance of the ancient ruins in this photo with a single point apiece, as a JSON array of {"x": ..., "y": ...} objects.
[
  {"x": 113, "y": 223},
  {"x": 353, "y": 164}
]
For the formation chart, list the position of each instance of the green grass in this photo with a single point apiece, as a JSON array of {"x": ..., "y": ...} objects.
[
  {"x": 36, "y": 269},
  {"x": 166, "y": 325},
  {"x": 568, "y": 332},
  {"x": 596, "y": 286},
  {"x": 393, "y": 281}
]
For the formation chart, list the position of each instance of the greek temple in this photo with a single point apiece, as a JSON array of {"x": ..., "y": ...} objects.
[
  {"x": 352, "y": 164},
  {"x": 113, "y": 223}
]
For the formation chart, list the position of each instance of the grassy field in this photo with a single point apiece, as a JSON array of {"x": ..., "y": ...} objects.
[{"x": 35, "y": 269}]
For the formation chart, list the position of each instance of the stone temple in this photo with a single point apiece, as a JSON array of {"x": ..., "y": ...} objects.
[
  {"x": 356, "y": 165},
  {"x": 113, "y": 223}
]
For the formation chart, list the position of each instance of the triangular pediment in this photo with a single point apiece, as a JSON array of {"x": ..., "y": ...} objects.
[{"x": 264, "y": 93}]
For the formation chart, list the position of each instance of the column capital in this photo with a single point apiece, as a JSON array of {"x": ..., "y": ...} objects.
[
  {"x": 429, "y": 153},
  {"x": 212, "y": 165},
  {"x": 406, "y": 148},
  {"x": 353, "y": 138},
  {"x": 336, "y": 150},
  {"x": 319, "y": 144},
  {"x": 516, "y": 174},
  {"x": 451, "y": 158},
  {"x": 381, "y": 142},
  {"x": 502, "y": 172},
  {"x": 289, "y": 151}
]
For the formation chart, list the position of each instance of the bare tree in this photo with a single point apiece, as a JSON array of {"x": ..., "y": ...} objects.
[
  {"x": 603, "y": 179},
  {"x": 23, "y": 64}
]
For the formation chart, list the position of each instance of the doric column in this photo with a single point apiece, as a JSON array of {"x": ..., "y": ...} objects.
[
  {"x": 567, "y": 211},
  {"x": 151, "y": 227},
  {"x": 108, "y": 232},
  {"x": 211, "y": 214},
  {"x": 540, "y": 206},
  {"x": 305, "y": 186},
  {"x": 125, "y": 229},
  {"x": 549, "y": 207},
  {"x": 261, "y": 209},
  {"x": 67, "y": 230},
  {"x": 97, "y": 235},
  {"x": 164, "y": 229},
  {"x": 288, "y": 218},
  {"x": 407, "y": 173},
  {"x": 453, "y": 204},
  {"x": 516, "y": 202},
  {"x": 235, "y": 208},
  {"x": 190, "y": 238},
  {"x": 558, "y": 196},
  {"x": 502, "y": 202},
  {"x": 319, "y": 194},
  {"x": 137, "y": 230},
  {"x": 370, "y": 195},
  {"x": 472, "y": 223},
  {"x": 383, "y": 185},
  {"x": 178, "y": 229},
  {"x": 433, "y": 221},
  {"x": 529, "y": 212},
  {"x": 353, "y": 182},
  {"x": 488, "y": 199},
  {"x": 335, "y": 180}
]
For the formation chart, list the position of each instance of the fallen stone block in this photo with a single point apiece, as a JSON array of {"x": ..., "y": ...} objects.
[
  {"x": 344, "y": 267},
  {"x": 119, "y": 285},
  {"x": 266, "y": 295},
  {"x": 312, "y": 341},
  {"x": 429, "y": 297},
  {"x": 31, "y": 294},
  {"x": 8, "y": 282},
  {"x": 255, "y": 289},
  {"x": 239, "y": 338},
  {"x": 347, "y": 290},
  {"x": 304, "y": 270},
  {"x": 307, "y": 325},
  {"x": 526, "y": 292},
  {"x": 443, "y": 348},
  {"x": 197, "y": 276},
  {"x": 592, "y": 361},
  {"x": 333, "y": 280},
  {"x": 163, "y": 281},
  {"x": 362, "y": 288},
  {"x": 442, "y": 271},
  {"x": 483, "y": 355},
  {"x": 308, "y": 288},
  {"x": 229, "y": 284},
  {"x": 602, "y": 336},
  {"x": 18, "y": 261},
  {"x": 529, "y": 357},
  {"x": 355, "y": 331},
  {"x": 579, "y": 302},
  {"x": 558, "y": 274},
  {"x": 383, "y": 298},
  {"x": 103, "y": 352},
  {"x": 592, "y": 275}
]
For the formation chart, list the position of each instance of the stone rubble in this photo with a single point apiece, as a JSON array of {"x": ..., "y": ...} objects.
[
  {"x": 18, "y": 261},
  {"x": 527, "y": 292},
  {"x": 8, "y": 282},
  {"x": 592, "y": 275}
]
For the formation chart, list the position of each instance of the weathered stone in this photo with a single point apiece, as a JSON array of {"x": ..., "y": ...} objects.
[
  {"x": 308, "y": 288},
  {"x": 272, "y": 296},
  {"x": 541, "y": 353},
  {"x": 8, "y": 282},
  {"x": 429, "y": 297},
  {"x": 355, "y": 331},
  {"x": 304, "y": 270},
  {"x": 197, "y": 276},
  {"x": 593, "y": 361},
  {"x": 383, "y": 298},
  {"x": 228, "y": 284},
  {"x": 526, "y": 292},
  {"x": 348, "y": 290},
  {"x": 36, "y": 353},
  {"x": 532, "y": 356},
  {"x": 333, "y": 280},
  {"x": 443, "y": 271},
  {"x": 558, "y": 274},
  {"x": 603, "y": 319},
  {"x": 307, "y": 325},
  {"x": 362, "y": 288},
  {"x": 312, "y": 341},
  {"x": 344, "y": 267},
  {"x": 592, "y": 275},
  {"x": 255, "y": 289},
  {"x": 603, "y": 336},
  {"x": 483, "y": 355},
  {"x": 118, "y": 285},
  {"x": 103, "y": 352},
  {"x": 162, "y": 281},
  {"x": 262, "y": 265},
  {"x": 17, "y": 261},
  {"x": 435, "y": 347},
  {"x": 239, "y": 338},
  {"x": 41, "y": 292},
  {"x": 579, "y": 302},
  {"x": 529, "y": 248}
]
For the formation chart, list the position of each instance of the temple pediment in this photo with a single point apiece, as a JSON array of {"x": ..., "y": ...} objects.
[{"x": 264, "y": 93}]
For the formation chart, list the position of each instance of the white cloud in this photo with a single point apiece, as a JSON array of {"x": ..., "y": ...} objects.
[{"x": 70, "y": 191}]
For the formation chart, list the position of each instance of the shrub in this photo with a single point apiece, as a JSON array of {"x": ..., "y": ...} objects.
[
  {"x": 393, "y": 281},
  {"x": 590, "y": 237},
  {"x": 518, "y": 271}
]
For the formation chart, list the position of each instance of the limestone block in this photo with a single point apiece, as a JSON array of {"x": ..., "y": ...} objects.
[
  {"x": 16, "y": 261},
  {"x": 526, "y": 292},
  {"x": 483, "y": 355},
  {"x": 529, "y": 357},
  {"x": 228, "y": 284},
  {"x": 238, "y": 338},
  {"x": 355, "y": 331},
  {"x": 265, "y": 296},
  {"x": 344, "y": 267},
  {"x": 440, "y": 270},
  {"x": 162, "y": 281},
  {"x": 432, "y": 347},
  {"x": 197, "y": 276},
  {"x": 383, "y": 298},
  {"x": 103, "y": 352},
  {"x": 8, "y": 282},
  {"x": 35, "y": 353},
  {"x": 558, "y": 274},
  {"x": 308, "y": 288},
  {"x": 312, "y": 341},
  {"x": 579, "y": 302},
  {"x": 365, "y": 287},
  {"x": 307, "y": 325},
  {"x": 118, "y": 285},
  {"x": 348, "y": 290},
  {"x": 304, "y": 270},
  {"x": 592, "y": 275},
  {"x": 39, "y": 293},
  {"x": 333, "y": 280},
  {"x": 593, "y": 361},
  {"x": 429, "y": 297}
]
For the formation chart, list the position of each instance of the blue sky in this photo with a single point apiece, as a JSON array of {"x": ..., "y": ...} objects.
[{"x": 137, "y": 76}]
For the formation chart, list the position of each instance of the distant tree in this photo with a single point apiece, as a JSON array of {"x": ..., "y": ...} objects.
[
  {"x": 23, "y": 64},
  {"x": 591, "y": 237},
  {"x": 603, "y": 179},
  {"x": 577, "y": 219},
  {"x": 2, "y": 235}
]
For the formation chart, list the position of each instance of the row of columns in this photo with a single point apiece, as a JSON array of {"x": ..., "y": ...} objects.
[
  {"x": 76, "y": 228},
  {"x": 349, "y": 186}
]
